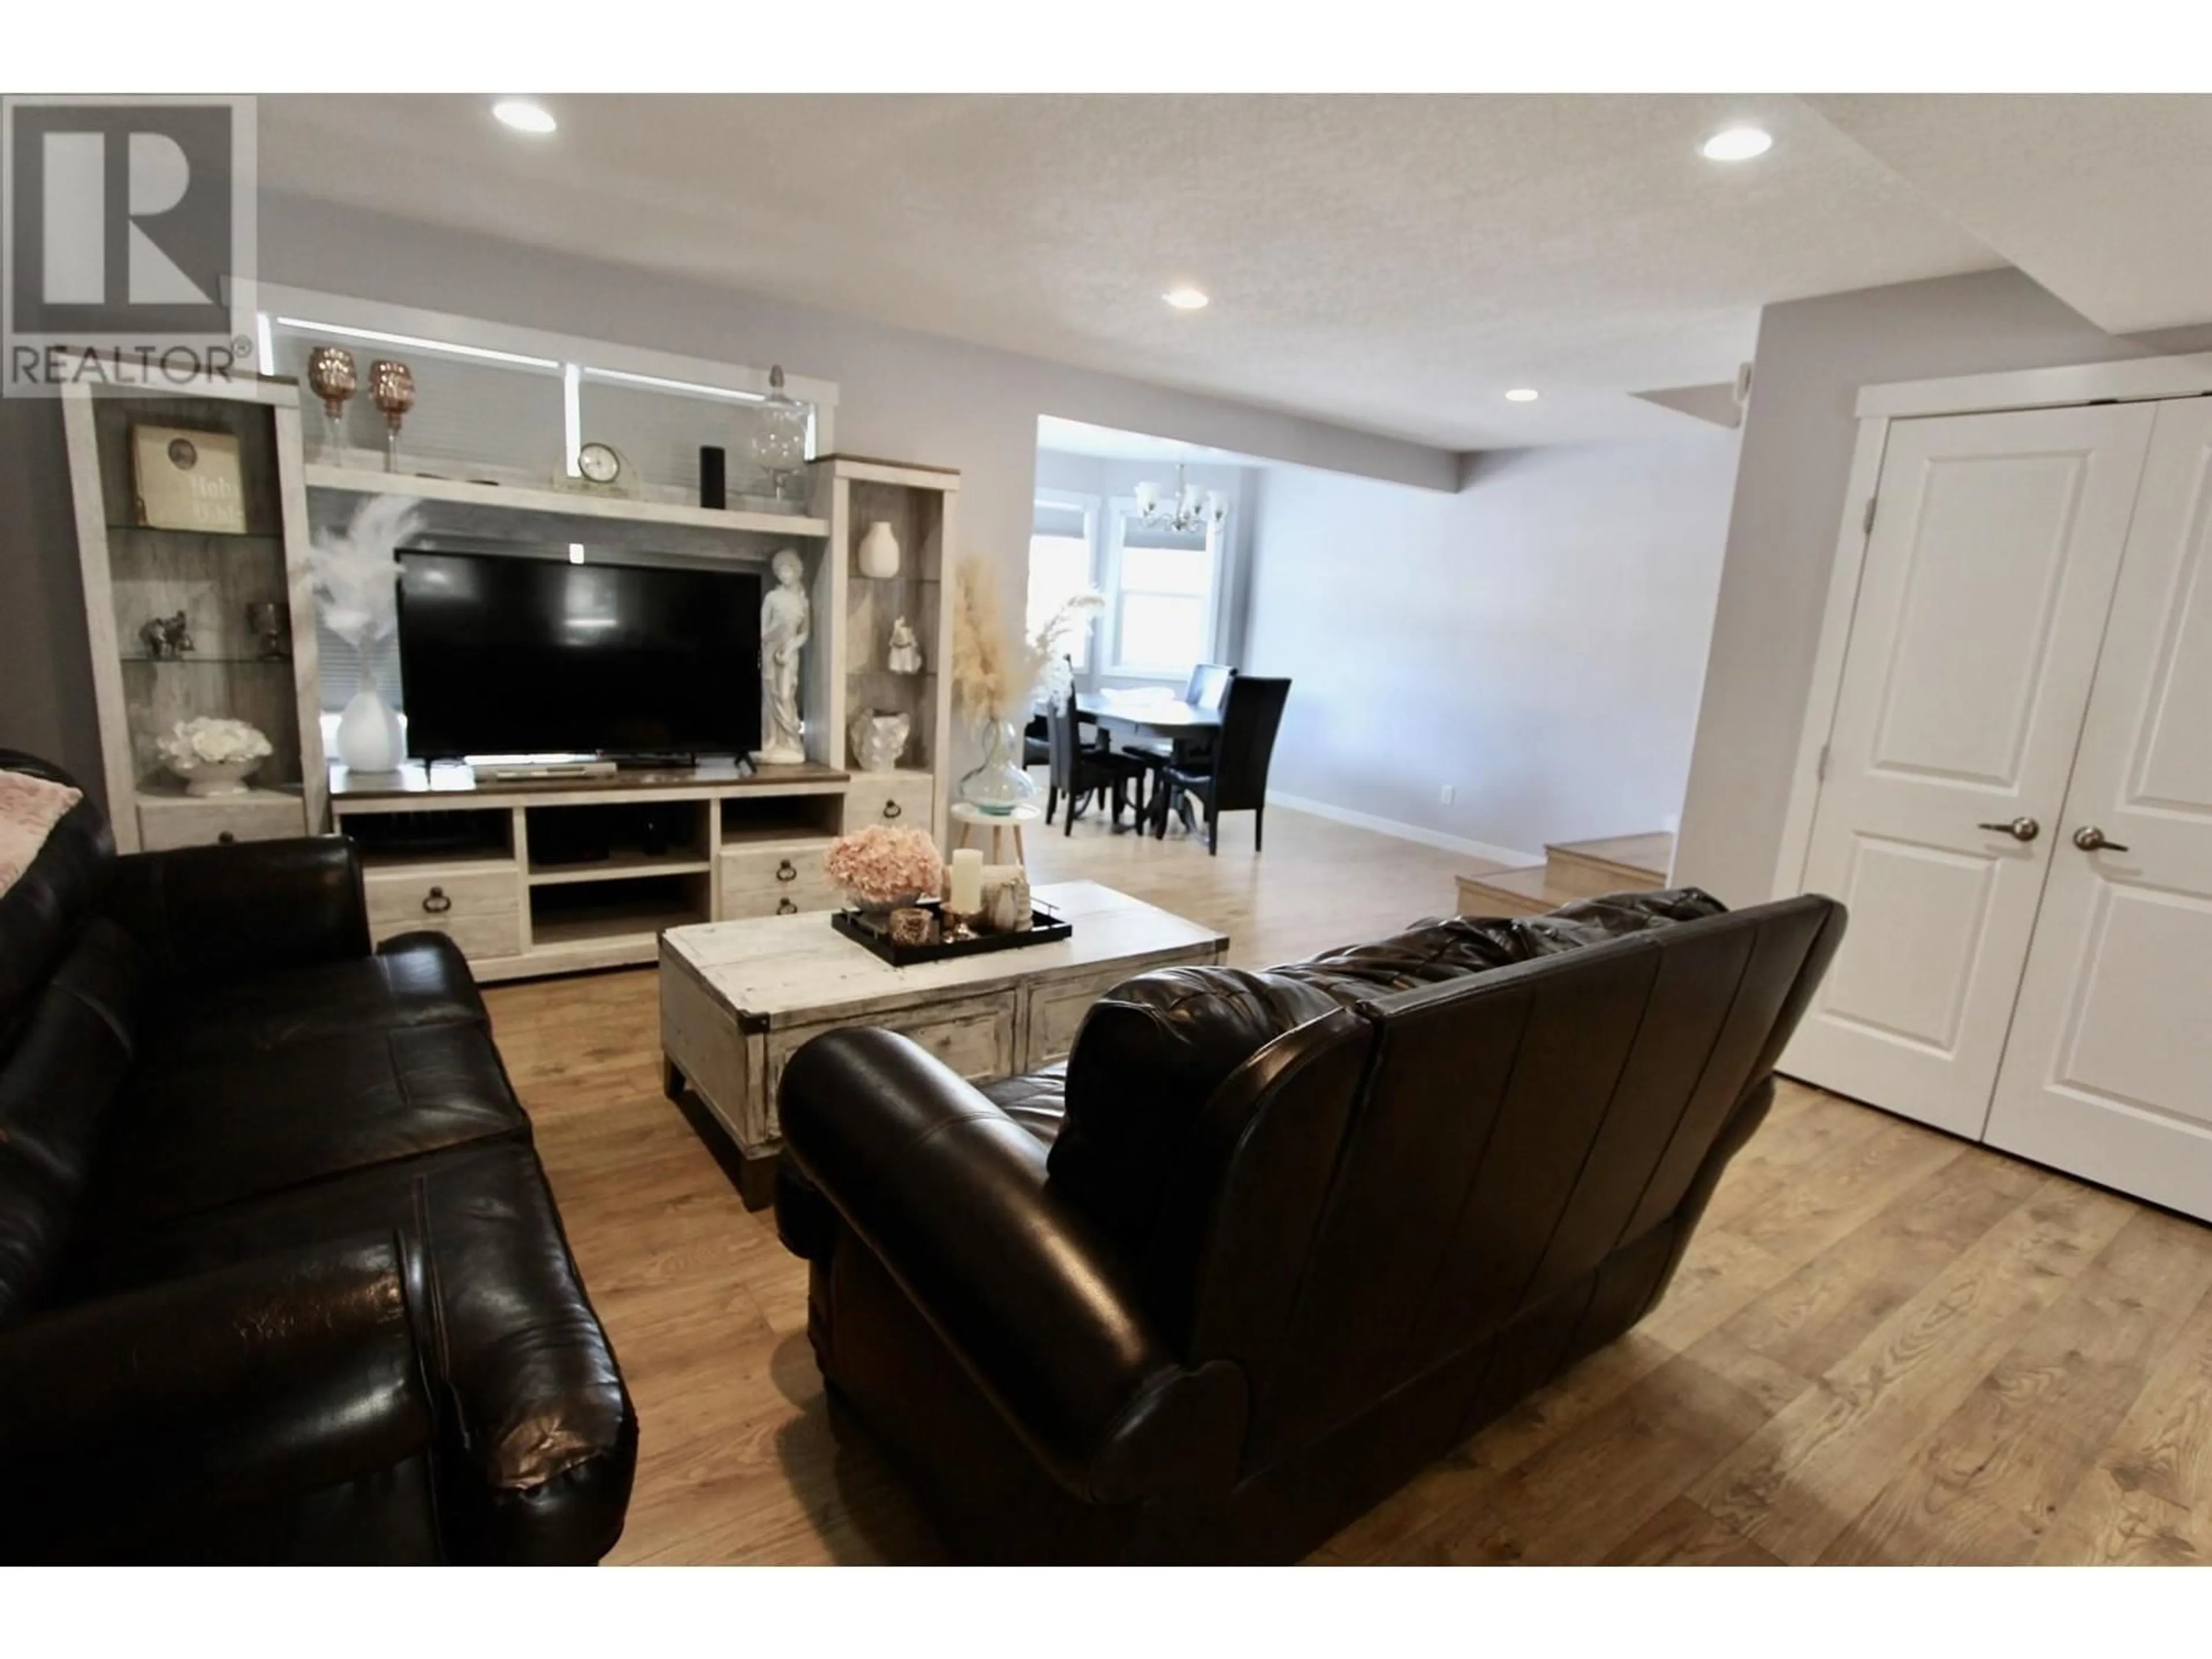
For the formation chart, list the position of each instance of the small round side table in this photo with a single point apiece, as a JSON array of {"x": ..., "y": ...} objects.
[{"x": 969, "y": 818}]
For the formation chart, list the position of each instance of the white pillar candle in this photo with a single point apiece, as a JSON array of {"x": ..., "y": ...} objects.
[{"x": 967, "y": 881}]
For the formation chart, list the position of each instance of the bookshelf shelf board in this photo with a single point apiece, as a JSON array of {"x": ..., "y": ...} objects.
[
  {"x": 622, "y": 866},
  {"x": 558, "y": 503}
]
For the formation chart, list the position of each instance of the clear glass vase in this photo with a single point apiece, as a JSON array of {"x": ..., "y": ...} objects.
[{"x": 1000, "y": 784}]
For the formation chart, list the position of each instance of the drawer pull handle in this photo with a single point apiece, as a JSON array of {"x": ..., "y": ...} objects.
[
  {"x": 436, "y": 904},
  {"x": 892, "y": 809},
  {"x": 784, "y": 907},
  {"x": 785, "y": 871},
  {"x": 227, "y": 838}
]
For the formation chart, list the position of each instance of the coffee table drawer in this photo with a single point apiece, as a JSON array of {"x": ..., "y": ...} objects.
[
  {"x": 974, "y": 1036},
  {"x": 777, "y": 879}
]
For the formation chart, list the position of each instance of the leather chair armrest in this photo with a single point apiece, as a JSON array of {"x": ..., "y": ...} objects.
[
  {"x": 250, "y": 907},
  {"x": 123, "y": 1418},
  {"x": 1023, "y": 1287}
]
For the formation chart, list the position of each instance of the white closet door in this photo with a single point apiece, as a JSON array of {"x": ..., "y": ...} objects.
[
  {"x": 1982, "y": 596},
  {"x": 2109, "y": 1071}
]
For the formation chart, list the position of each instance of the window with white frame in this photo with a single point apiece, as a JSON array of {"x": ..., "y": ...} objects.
[
  {"x": 1063, "y": 563},
  {"x": 1164, "y": 598}
]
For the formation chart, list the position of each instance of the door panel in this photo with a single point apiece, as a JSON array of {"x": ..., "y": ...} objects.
[
  {"x": 2109, "y": 1073},
  {"x": 1941, "y": 898},
  {"x": 1958, "y": 605},
  {"x": 1984, "y": 593}
]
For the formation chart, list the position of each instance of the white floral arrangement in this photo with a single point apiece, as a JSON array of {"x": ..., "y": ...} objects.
[
  {"x": 996, "y": 668},
  {"x": 210, "y": 742},
  {"x": 356, "y": 569}
]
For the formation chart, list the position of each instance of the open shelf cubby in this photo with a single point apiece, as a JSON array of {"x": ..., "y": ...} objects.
[
  {"x": 598, "y": 914},
  {"x": 874, "y": 604},
  {"x": 616, "y": 841},
  {"x": 780, "y": 817},
  {"x": 921, "y": 505},
  {"x": 238, "y": 591},
  {"x": 483, "y": 839}
]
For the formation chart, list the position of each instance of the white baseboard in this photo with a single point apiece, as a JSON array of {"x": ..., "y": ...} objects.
[{"x": 1480, "y": 849}]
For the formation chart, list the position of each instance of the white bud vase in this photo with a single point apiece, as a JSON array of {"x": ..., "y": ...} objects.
[
  {"x": 368, "y": 736},
  {"x": 879, "y": 552}
]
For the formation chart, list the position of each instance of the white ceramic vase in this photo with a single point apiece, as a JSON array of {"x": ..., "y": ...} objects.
[
  {"x": 879, "y": 552},
  {"x": 368, "y": 736}
]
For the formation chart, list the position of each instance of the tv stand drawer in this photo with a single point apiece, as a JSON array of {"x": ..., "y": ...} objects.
[
  {"x": 480, "y": 911},
  {"x": 900, "y": 798},
  {"x": 777, "y": 879}
]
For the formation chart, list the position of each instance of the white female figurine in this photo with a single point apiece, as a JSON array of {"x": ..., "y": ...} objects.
[
  {"x": 785, "y": 627},
  {"x": 906, "y": 650}
]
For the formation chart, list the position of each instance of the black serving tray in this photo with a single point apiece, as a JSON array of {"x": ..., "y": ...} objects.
[{"x": 1046, "y": 925}]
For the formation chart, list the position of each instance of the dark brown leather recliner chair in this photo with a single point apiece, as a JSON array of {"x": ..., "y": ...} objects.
[
  {"x": 1273, "y": 1241},
  {"x": 281, "y": 1278}
]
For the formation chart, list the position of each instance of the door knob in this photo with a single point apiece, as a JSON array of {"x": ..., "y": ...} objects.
[
  {"x": 2020, "y": 829},
  {"x": 2091, "y": 839}
]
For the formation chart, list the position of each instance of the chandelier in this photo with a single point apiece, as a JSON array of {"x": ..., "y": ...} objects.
[{"x": 1189, "y": 508}]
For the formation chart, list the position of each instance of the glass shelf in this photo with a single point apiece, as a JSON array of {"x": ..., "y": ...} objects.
[
  {"x": 207, "y": 657},
  {"x": 114, "y": 528}
]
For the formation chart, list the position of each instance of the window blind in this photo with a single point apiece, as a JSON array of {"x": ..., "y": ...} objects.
[{"x": 1058, "y": 519}]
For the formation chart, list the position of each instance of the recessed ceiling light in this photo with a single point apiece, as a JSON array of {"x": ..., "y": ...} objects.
[
  {"x": 1186, "y": 299},
  {"x": 523, "y": 117},
  {"x": 1521, "y": 394},
  {"x": 1736, "y": 144}
]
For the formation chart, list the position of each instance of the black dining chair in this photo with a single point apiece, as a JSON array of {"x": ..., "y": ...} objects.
[
  {"x": 1079, "y": 770},
  {"x": 1207, "y": 685},
  {"x": 1234, "y": 776}
]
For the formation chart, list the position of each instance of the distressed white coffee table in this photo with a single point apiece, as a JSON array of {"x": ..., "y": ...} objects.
[{"x": 737, "y": 999}]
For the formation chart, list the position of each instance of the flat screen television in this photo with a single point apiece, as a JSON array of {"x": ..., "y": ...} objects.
[{"x": 512, "y": 654}]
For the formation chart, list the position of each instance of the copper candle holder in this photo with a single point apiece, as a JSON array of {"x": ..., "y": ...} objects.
[
  {"x": 332, "y": 377},
  {"x": 392, "y": 388}
]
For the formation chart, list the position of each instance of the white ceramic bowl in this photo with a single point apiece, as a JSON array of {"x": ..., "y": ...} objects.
[{"x": 217, "y": 777}]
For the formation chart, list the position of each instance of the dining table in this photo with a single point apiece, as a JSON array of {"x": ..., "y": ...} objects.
[{"x": 1147, "y": 714}]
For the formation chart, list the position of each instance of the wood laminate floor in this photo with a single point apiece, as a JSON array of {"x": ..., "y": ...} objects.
[{"x": 1884, "y": 1346}]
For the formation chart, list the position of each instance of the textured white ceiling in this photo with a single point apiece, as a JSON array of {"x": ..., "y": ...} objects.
[
  {"x": 1392, "y": 263},
  {"x": 2105, "y": 201}
]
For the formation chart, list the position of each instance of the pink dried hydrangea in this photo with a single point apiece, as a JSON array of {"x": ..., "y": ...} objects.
[{"x": 881, "y": 864}]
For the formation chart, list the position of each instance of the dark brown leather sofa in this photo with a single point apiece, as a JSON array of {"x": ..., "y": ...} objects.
[
  {"x": 281, "y": 1278},
  {"x": 1273, "y": 1241}
]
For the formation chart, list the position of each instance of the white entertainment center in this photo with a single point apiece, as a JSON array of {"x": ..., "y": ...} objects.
[
  {"x": 443, "y": 848},
  {"x": 729, "y": 846}
]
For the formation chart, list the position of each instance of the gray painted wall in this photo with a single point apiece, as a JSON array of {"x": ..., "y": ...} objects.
[
  {"x": 904, "y": 395},
  {"x": 1536, "y": 640},
  {"x": 1813, "y": 357},
  {"x": 45, "y": 675}
]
